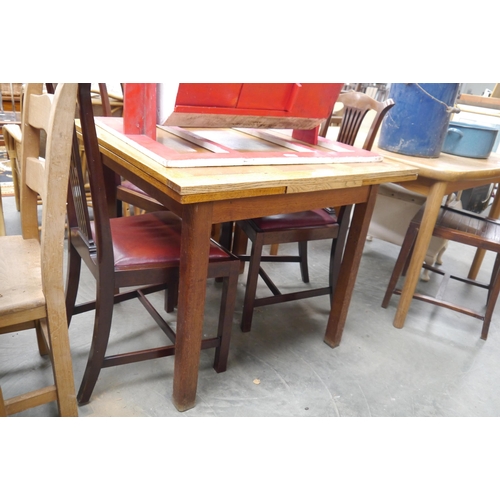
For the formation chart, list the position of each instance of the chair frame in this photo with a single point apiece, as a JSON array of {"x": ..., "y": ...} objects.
[
  {"x": 356, "y": 106},
  {"x": 38, "y": 276},
  {"x": 463, "y": 227},
  {"x": 96, "y": 250}
]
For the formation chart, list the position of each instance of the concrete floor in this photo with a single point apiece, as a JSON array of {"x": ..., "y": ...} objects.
[{"x": 436, "y": 366}]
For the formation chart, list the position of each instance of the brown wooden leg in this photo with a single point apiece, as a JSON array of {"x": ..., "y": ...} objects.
[
  {"x": 349, "y": 269},
  {"x": 195, "y": 248},
  {"x": 102, "y": 327},
  {"x": 251, "y": 284},
  {"x": 240, "y": 243},
  {"x": 401, "y": 261},
  {"x": 480, "y": 252}
]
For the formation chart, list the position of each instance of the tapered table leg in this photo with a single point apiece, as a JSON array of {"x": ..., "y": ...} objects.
[
  {"x": 195, "y": 247},
  {"x": 349, "y": 269}
]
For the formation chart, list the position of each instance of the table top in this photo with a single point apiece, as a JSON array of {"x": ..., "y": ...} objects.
[
  {"x": 196, "y": 184},
  {"x": 449, "y": 168}
]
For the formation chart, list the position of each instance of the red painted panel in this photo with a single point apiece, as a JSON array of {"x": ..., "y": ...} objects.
[
  {"x": 305, "y": 100},
  {"x": 139, "y": 109},
  {"x": 209, "y": 94}
]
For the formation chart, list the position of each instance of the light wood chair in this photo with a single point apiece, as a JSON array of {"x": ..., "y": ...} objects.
[
  {"x": 31, "y": 267},
  {"x": 12, "y": 137},
  {"x": 2, "y": 220}
]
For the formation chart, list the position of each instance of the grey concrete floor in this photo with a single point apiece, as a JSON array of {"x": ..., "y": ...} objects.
[{"x": 436, "y": 366}]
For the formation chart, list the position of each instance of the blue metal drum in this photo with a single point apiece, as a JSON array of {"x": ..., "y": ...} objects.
[{"x": 418, "y": 122}]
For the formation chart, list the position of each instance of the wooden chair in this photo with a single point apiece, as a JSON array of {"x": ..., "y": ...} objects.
[
  {"x": 31, "y": 267},
  {"x": 142, "y": 252},
  {"x": 463, "y": 227},
  {"x": 130, "y": 198},
  {"x": 309, "y": 225},
  {"x": 12, "y": 137},
  {"x": 2, "y": 219}
]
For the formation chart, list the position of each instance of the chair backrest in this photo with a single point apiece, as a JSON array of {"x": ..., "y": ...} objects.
[
  {"x": 356, "y": 106},
  {"x": 98, "y": 241},
  {"x": 48, "y": 177}
]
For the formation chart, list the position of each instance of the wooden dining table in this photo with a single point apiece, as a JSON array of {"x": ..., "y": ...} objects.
[
  {"x": 203, "y": 196},
  {"x": 438, "y": 177}
]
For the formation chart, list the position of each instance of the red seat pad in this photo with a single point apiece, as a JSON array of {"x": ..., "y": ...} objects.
[
  {"x": 307, "y": 218},
  {"x": 151, "y": 239}
]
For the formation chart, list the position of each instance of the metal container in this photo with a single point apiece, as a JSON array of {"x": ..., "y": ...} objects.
[
  {"x": 417, "y": 124},
  {"x": 470, "y": 140}
]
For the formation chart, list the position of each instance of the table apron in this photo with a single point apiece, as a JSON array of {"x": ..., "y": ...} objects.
[{"x": 247, "y": 208}]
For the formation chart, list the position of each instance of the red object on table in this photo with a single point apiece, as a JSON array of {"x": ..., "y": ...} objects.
[
  {"x": 301, "y": 106},
  {"x": 139, "y": 109}
]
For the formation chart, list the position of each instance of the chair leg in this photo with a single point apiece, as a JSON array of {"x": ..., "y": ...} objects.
[
  {"x": 72, "y": 280},
  {"x": 100, "y": 338},
  {"x": 62, "y": 365},
  {"x": 338, "y": 245},
  {"x": 401, "y": 261},
  {"x": 43, "y": 348},
  {"x": 171, "y": 297},
  {"x": 3, "y": 411},
  {"x": 492, "y": 298},
  {"x": 304, "y": 270},
  {"x": 228, "y": 301},
  {"x": 251, "y": 286}
]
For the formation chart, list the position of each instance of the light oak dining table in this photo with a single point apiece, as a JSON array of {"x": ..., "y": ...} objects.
[
  {"x": 438, "y": 177},
  {"x": 203, "y": 196}
]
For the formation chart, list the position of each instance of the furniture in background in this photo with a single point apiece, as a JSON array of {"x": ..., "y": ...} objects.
[
  {"x": 308, "y": 225},
  {"x": 438, "y": 177},
  {"x": 2, "y": 220},
  {"x": 466, "y": 228},
  {"x": 12, "y": 138},
  {"x": 31, "y": 265},
  {"x": 394, "y": 210},
  {"x": 141, "y": 253}
]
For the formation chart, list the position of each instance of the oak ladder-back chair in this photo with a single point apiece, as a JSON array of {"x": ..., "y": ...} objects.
[
  {"x": 142, "y": 252},
  {"x": 463, "y": 227},
  {"x": 31, "y": 267},
  {"x": 308, "y": 225}
]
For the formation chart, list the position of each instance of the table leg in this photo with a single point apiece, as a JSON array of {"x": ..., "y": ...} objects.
[
  {"x": 349, "y": 269},
  {"x": 480, "y": 252},
  {"x": 432, "y": 206},
  {"x": 195, "y": 248}
]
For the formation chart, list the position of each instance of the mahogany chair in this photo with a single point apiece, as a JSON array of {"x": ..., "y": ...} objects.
[
  {"x": 141, "y": 252},
  {"x": 309, "y": 225},
  {"x": 129, "y": 197},
  {"x": 463, "y": 227},
  {"x": 31, "y": 267}
]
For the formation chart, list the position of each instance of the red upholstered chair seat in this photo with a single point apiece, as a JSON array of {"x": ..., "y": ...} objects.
[
  {"x": 150, "y": 240},
  {"x": 308, "y": 218},
  {"x": 130, "y": 258}
]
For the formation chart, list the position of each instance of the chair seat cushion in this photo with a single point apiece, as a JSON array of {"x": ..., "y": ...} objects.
[
  {"x": 308, "y": 218},
  {"x": 151, "y": 239},
  {"x": 21, "y": 294}
]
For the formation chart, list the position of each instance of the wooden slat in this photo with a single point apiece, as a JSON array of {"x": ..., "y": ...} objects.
[{"x": 30, "y": 399}]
